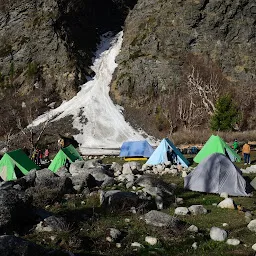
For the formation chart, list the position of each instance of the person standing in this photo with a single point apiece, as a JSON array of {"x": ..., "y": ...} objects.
[
  {"x": 236, "y": 146},
  {"x": 46, "y": 154},
  {"x": 246, "y": 153},
  {"x": 37, "y": 156},
  {"x": 60, "y": 143}
]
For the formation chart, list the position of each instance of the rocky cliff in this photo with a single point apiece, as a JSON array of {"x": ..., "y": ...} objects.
[
  {"x": 179, "y": 56},
  {"x": 46, "y": 47}
]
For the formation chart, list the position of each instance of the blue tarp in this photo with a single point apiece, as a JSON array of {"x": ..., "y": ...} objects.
[
  {"x": 136, "y": 149},
  {"x": 160, "y": 155}
]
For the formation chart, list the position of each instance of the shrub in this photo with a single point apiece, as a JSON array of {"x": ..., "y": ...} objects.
[
  {"x": 226, "y": 114},
  {"x": 32, "y": 69}
]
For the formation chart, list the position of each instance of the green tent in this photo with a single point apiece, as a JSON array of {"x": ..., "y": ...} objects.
[
  {"x": 69, "y": 153},
  {"x": 15, "y": 164},
  {"x": 215, "y": 144}
]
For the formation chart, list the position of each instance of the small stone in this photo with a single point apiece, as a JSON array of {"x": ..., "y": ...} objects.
[
  {"x": 52, "y": 238},
  {"x": 127, "y": 220},
  {"x": 181, "y": 211},
  {"x": 214, "y": 204},
  {"x": 233, "y": 241},
  {"x": 109, "y": 239},
  {"x": 159, "y": 202},
  {"x": 114, "y": 233},
  {"x": 151, "y": 240},
  {"x": 118, "y": 245},
  {"x": 197, "y": 209},
  {"x": 193, "y": 228},
  {"x": 133, "y": 210},
  {"x": 224, "y": 224},
  {"x": 224, "y": 195},
  {"x": 248, "y": 214},
  {"x": 218, "y": 234},
  {"x": 252, "y": 225},
  {"x": 179, "y": 200},
  {"x": 184, "y": 174},
  {"x": 254, "y": 247},
  {"x": 194, "y": 245},
  {"x": 227, "y": 203},
  {"x": 136, "y": 244},
  {"x": 247, "y": 219}
]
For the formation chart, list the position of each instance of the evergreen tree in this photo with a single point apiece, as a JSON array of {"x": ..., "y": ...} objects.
[{"x": 226, "y": 114}]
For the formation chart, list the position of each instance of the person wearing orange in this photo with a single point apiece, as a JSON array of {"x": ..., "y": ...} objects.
[{"x": 246, "y": 153}]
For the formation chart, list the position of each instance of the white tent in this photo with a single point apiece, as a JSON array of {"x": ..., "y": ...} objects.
[
  {"x": 216, "y": 174},
  {"x": 160, "y": 155}
]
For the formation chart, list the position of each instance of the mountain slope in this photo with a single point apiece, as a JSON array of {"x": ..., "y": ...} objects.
[
  {"x": 101, "y": 127},
  {"x": 170, "y": 46}
]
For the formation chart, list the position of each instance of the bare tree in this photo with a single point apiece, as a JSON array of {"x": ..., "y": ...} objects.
[
  {"x": 30, "y": 131},
  {"x": 206, "y": 92}
]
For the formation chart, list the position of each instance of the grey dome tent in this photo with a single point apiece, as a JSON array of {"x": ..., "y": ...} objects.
[{"x": 216, "y": 174}]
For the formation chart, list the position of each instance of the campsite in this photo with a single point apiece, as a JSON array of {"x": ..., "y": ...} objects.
[{"x": 146, "y": 201}]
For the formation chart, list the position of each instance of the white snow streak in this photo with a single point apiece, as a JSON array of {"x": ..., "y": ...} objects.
[{"x": 105, "y": 126}]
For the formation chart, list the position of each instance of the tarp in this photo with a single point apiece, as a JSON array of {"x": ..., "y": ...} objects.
[
  {"x": 69, "y": 153},
  {"x": 136, "y": 149},
  {"x": 215, "y": 144},
  {"x": 15, "y": 164},
  {"x": 216, "y": 174},
  {"x": 160, "y": 155}
]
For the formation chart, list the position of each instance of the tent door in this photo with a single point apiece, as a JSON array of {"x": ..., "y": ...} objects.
[{"x": 18, "y": 172}]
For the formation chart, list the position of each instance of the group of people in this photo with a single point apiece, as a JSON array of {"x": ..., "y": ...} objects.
[
  {"x": 38, "y": 156},
  {"x": 246, "y": 151}
]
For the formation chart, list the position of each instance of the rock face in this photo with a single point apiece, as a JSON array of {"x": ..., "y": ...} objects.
[
  {"x": 46, "y": 46},
  {"x": 15, "y": 211},
  {"x": 167, "y": 42}
]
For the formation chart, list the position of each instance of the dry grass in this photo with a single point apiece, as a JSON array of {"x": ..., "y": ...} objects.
[{"x": 188, "y": 137}]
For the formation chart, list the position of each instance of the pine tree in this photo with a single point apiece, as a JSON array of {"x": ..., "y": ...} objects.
[{"x": 226, "y": 114}]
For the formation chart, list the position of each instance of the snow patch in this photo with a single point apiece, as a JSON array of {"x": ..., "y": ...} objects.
[{"x": 99, "y": 120}]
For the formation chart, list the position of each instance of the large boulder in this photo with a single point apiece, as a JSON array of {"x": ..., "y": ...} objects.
[
  {"x": 79, "y": 167},
  {"x": 15, "y": 210},
  {"x": 44, "y": 174},
  {"x": 116, "y": 167},
  {"x": 50, "y": 190},
  {"x": 82, "y": 181},
  {"x": 160, "y": 219},
  {"x": 16, "y": 246},
  {"x": 28, "y": 180},
  {"x": 119, "y": 200},
  {"x": 131, "y": 167},
  {"x": 63, "y": 184},
  {"x": 76, "y": 168},
  {"x": 147, "y": 181},
  {"x": 63, "y": 172},
  {"x": 52, "y": 223}
]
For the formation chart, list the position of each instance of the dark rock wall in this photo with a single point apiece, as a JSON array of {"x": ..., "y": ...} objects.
[
  {"x": 46, "y": 47},
  {"x": 163, "y": 39}
]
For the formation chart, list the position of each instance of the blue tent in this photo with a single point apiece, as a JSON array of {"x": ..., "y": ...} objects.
[
  {"x": 136, "y": 149},
  {"x": 164, "y": 152}
]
